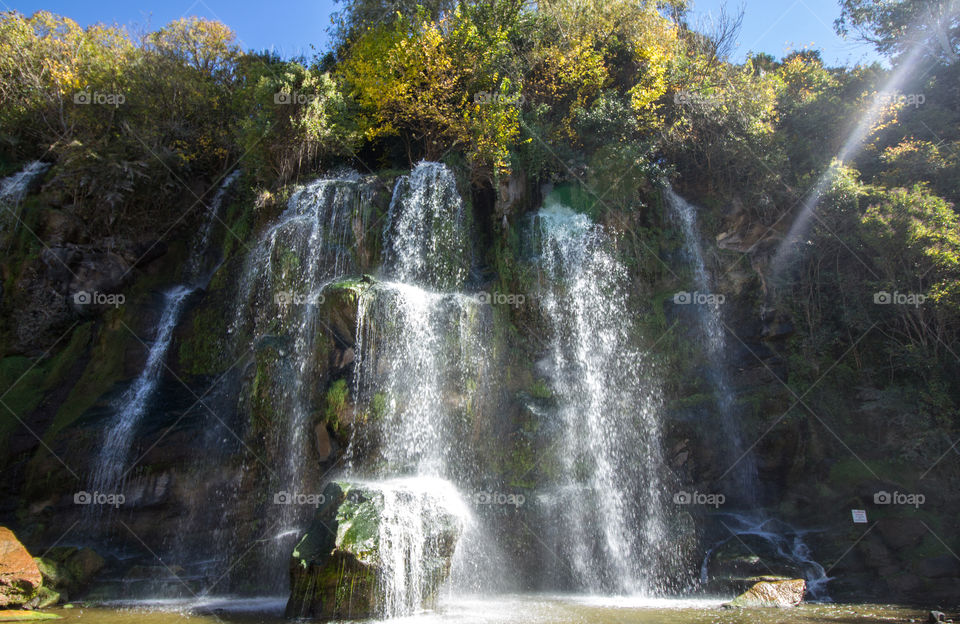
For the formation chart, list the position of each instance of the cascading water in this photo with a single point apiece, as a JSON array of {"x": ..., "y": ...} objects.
[
  {"x": 785, "y": 543},
  {"x": 426, "y": 239},
  {"x": 133, "y": 404},
  {"x": 423, "y": 359},
  {"x": 710, "y": 321},
  {"x": 311, "y": 245},
  {"x": 420, "y": 354},
  {"x": 412, "y": 508},
  {"x": 789, "y": 544},
  {"x": 12, "y": 190},
  {"x": 611, "y": 528}
]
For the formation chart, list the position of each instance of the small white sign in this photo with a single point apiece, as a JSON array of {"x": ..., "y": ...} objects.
[{"x": 859, "y": 516}]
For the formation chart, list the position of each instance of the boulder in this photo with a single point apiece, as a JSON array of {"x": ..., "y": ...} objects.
[
  {"x": 66, "y": 571},
  {"x": 339, "y": 311},
  {"x": 20, "y": 577},
  {"x": 376, "y": 549},
  {"x": 738, "y": 564},
  {"x": 772, "y": 594}
]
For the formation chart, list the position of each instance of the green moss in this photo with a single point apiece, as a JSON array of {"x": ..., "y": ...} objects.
[
  {"x": 575, "y": 196},
  {"x": 104, "y": 369},
  {"x": 202, "y": 352},
  {"x": 358, "y": 521},
  {"x": 541, "y": 390},
  {"x": 850, "y": 472},
  {"x": 337, "y": 402},
  {"x": 25, "y": 382}
]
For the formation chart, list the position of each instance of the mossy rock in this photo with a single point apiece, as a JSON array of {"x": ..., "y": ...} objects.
[
  {"x": 337, "y": 569},
  {"x": 68, "y": 569}
]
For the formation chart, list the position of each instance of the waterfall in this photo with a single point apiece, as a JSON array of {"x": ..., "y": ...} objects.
[
  {"x": 307, "y": 248},
  {"x": 786, "y": 542},
  {"x": 426, "y": 240},
  {"x": 133, "y": 404},
  {"x": 610, "y": 525},
  {"x": 421, "y": 352},
  {"x": 411, "y": 509},
  {"x": 421, "y": 361},
  {"x": 13, "y": 189},
  {"x": 783, "y": 540},
  {"x": 710, "y": 321},
  {"x": 422, "y": 356},
  {"x": 281, "y": 288}
]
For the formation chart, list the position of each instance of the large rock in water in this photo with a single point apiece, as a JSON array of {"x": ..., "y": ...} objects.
[
  {"x": 19, "y": 575},
  {"x": 772, "y": 594},
  {"x": 376, "y": 549},
  {"x": 66, "y": 570}
]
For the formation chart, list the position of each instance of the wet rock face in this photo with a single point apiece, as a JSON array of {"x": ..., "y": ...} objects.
[
  {"x": 20, "y": 577},
  {"x": 343, "y": 568},
  {"x": 772, "y": 594}
]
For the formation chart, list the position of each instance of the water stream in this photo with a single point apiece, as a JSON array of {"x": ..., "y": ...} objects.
[
  {"x": 709, "y": 314},
  {"x": 111, "y": 464},
  {"x": 607, "y": 503}
]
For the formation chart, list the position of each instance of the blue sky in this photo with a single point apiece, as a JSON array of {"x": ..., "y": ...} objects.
[{"x": 292, "y": 26}]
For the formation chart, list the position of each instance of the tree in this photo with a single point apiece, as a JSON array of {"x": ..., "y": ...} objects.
[{"x": 895, "y": 26}]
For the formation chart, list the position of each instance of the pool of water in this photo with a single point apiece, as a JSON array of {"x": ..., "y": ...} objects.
[{"x": 505, "y": 610}]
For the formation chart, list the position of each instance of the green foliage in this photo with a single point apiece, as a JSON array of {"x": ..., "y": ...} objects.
[
  {"x": 337, "y": 401},
  {"x": 897, "y": 26}
]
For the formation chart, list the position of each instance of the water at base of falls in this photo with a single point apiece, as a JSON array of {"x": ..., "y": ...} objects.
[
  {"x": 505, "y": 609},
  {"x": 787, "y": 543}
]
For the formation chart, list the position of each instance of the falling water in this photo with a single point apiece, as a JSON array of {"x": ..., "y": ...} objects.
[
  {"x": 311, "y": 245},
  {"x": 611, "y": 526},
  {"x": 111, "y": 465},
  {"x": 426, "y": 239},
  {"x": 710, "y": 320},
  {"x": 787, "y": 543},
  {"x": 422, "y": 351},
  {"x": 422, "y": 359},
  {"x": 411, "y": 546},
  {"x": 12, "y": 190}
]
